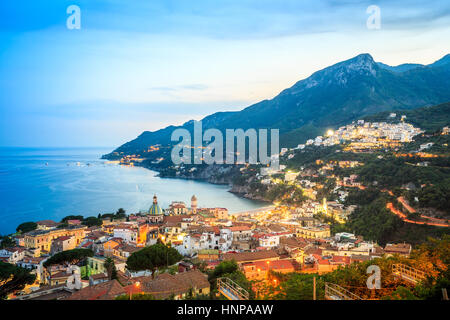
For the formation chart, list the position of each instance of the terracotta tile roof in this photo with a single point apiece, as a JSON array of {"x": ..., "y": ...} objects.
[
  {"x": 62, "y": 238},
  {"x": 193, "y": 278},
  {"x": 239, "y": 228},
  {"x": 164, "y": 285},
  {"x": 250, "y": 256},
  {"x": 402, "y": 248},
  {"x": 60, "y": 275},
  {"x": 49, "y": 223},
  {"x": 127, "y": 248},
  {"x": 341, "y": 260},
  {"x": 99, "y": 276},
  {"x": 272, "y": 265},
  {"x": 294, "y": 242},
  {"x": 103, "y": 291}
]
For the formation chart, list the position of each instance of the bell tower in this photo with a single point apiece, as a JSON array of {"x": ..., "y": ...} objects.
[{"x": 194, "y": 204}]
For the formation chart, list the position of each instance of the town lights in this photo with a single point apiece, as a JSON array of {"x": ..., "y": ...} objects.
[{"x": 330, "y": 133}]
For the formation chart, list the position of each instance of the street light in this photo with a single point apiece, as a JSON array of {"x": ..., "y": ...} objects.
[{"x": 137, "y": 284}]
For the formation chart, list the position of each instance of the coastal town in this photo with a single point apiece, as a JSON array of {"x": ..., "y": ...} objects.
[
  {"x": 101, "y": 257},
  {"x": 274, "y": 239}
]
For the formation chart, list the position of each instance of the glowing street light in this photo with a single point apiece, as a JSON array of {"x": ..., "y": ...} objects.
[{"x": 137, "y": 284}]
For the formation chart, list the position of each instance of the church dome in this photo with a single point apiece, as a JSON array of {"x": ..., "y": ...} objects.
[{"x": 155, "y": 209}]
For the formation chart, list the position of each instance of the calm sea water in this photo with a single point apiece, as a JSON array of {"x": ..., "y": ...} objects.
[{"x": 37, "y": 184}]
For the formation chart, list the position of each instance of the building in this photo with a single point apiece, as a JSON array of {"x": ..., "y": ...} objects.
[
  {"x": 108, "y": 290},
  {"x": 194, "y": 204},
  {"x": 155, "y": 213},
  {"x": 317, "y": 232},
  {"x": 46, "y": 224},
  {"x": 63, "y": 243},
  {"x": 402, "y": 249},
  {"x": 178, "y": 207},
  {"x": 241, "y": 233},
  {"x": 132, "y": 232},
  {"x": 259, "y": 270},
  {"x": 43, "y": 239},
  {"x": 98, "y": 278},
  {"x": 245, "y": 257},
  {"x": 13, "y": 254},
  {"x": 208, "y": 255},
  {"x": 177, "y": 286}
]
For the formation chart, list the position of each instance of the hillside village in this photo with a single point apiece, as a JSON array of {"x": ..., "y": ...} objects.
[
  {"x": 306, "y": 230},
  {"x": 275, "y": 239}
]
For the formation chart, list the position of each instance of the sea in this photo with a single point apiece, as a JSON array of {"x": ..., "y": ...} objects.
[{"x": 51, "y": 183}]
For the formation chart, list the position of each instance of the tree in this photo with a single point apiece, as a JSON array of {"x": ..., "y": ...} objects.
[
  {"x": 92, "y": 221},
  {"x": 230, "y": 269},
  {"x": 225, "y": 267},
  {"x": 73, "y": 256},
  {"x": 110, "y": 268},
  {"x": 26, "y": 227},
  {"x": 72, "y": 217},
  {"x": 13, "y": 278},
  {"x": 6, "y": 242},
  {"x": 295, "y": 286},
  {"x": 401, "y": 293},
  {"x": 152, "y": 258}
]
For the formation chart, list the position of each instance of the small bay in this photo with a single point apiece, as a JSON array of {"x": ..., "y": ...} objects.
[{"x": 51, "y": 183}]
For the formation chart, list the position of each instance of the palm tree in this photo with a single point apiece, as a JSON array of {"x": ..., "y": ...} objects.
[{"x": 110, "y": 268}]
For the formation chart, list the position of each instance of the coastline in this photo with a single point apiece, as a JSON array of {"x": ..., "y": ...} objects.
[{"x": 241, "y": 191}]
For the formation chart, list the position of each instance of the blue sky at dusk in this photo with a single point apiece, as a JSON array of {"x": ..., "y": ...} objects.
[{"x": 142, "y": 65}]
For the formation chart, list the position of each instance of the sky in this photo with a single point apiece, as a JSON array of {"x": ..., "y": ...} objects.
[{"x": 142, "y": 65}]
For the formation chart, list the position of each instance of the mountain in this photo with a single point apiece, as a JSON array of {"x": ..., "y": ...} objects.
[
  {"x": 328, "y": 98},
  {"x": 400, "y": 68},
  {"x": 430, "y": 119}
]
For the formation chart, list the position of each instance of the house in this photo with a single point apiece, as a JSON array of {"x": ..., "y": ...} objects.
[
  {"x": 98, "y": 278},
  {"x": 243, "y": 257},
  {"x": 124, "y": 250},
  {"x": 46, "y": 224},
  {"x": 57, "y": 292},
  {"x": 108, "y": 290},
  {"x": 317, "y": 232},
  {"x": 132, "y": 233},
  {"x": 59, "y": 277},
  {"x": 259, "y": 270},
  {"x": 241, "y": 233},
  {"x": 74, "y": 222},
  {"x": 12, "y": 255},
  {"x": 208, "y": 255},
  {"x": 178, "y": 207},
  {"x": 185, "y": 266},
  {"x": 206, "y": 238},
  {"x": 326, "y": 264},
  {"x": 42, "y": 239},
  {"x": 35, "y": 264},
  {"x": 402, "y": 249},
  {"x": 177, "y": 286},
  {"x": 63, "y": 243},
  {"x": 110, "y": 245}
]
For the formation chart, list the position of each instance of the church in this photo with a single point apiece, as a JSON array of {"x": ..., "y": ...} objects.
[{"x": 155, "y": 213}]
